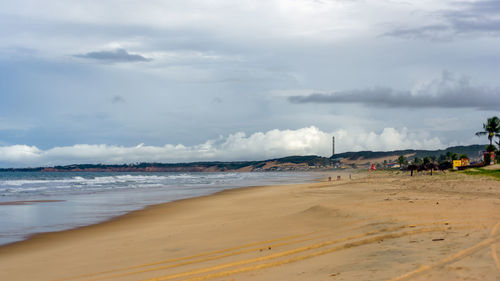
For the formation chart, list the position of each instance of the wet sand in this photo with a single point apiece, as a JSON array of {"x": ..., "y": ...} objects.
[
  {"x": 378, "y": 226},
  {"x": 27, "y": 202}
]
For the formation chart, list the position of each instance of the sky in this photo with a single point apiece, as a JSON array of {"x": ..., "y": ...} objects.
[{"x": 125, "y": 81}]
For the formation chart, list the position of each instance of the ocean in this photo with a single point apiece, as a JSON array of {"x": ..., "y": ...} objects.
[{"x": 72, "y": 199}]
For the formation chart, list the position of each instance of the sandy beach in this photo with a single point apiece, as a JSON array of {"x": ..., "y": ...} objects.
[{"x": 378, "y": 226}]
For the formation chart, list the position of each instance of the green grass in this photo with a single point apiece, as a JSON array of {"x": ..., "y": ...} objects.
[{"x": 483, "y": 172}]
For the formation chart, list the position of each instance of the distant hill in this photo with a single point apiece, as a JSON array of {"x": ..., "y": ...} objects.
[
  {"x": 473, "y": 151},
  {"x": 280, "y": 164},
  {"x": 290, "y": 163}
]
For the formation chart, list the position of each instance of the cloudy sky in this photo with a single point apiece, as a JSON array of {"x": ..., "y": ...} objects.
[{"x": 124, "y": 81}]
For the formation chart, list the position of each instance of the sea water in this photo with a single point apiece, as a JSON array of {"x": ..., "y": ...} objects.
[{"x": 74, "y": 199}]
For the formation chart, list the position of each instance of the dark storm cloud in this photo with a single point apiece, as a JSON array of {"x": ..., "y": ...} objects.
[
  {"x": 442, "y": 93},
  {"x": 434, "y": 32},
  {"x": 386, "y": 97},
  {"x": 118, "y": 55},
  {"x": 476, "y": 18}
]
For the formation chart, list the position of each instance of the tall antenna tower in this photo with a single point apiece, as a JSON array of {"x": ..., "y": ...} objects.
[{"x": 333, "y": 146}]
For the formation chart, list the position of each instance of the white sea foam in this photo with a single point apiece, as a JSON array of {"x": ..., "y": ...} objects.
[{"x": 95, "y": 182}]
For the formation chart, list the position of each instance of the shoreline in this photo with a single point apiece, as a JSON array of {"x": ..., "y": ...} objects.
[
  {"x": 28, "y": 237},
  {"x": 67, "y": 211},
  {"x": 27, "y": 202},
  {"x": 374, "y": 227},
  {"x": 114, "y": 219},
  {"x": 45, "y": 237}
]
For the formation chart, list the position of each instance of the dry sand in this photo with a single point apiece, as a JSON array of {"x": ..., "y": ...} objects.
[{"x": 377, "y": 226}]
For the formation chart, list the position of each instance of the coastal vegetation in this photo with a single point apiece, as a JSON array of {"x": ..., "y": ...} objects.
[
  {"x": 483, "y": 172},
  {"x": 491, "y": 129},
  {"x": 402, "y": 160},
  {"x": 471, "y": 150}
]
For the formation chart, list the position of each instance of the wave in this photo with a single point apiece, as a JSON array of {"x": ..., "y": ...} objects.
[
  {"x": 33, "y": 184},
  {"x": 82, "y": 183}
]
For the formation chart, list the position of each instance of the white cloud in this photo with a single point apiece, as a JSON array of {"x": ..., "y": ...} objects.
[
  {"x": 238, "y": 146},
  {"x": 20, "y": 153},
  {"x": 388, "y": 139}
]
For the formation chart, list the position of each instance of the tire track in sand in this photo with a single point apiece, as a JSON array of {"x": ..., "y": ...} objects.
[
  {"x": 494, "y": 246},
  {"x": 204, "y": 254},
  {"x": 490, "y": 241},
  {"x": 288, "y": 253},
  {"x": 219, "y": 254},
  {"x": 119, "y": 272}
]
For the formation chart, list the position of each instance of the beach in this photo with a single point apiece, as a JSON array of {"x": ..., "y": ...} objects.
[
  {"x": 38, "y": 202},
  {"x": 375, "y": 226}
]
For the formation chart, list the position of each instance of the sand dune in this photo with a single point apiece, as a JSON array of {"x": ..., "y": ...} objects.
[{"x": 378, "y": 226}]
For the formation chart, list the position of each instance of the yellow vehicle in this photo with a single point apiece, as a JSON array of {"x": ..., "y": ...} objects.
[{"x": 460, "y": 163}]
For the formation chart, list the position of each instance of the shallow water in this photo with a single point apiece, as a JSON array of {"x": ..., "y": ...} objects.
[{"x": 74, "y": 199}]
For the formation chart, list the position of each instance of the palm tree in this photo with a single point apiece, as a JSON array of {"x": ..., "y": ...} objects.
[
  {"x": 491, "y": 128},
  {"x": 433, "y": 158},
  {"x": 417, "y": 161},
  {"x": 427, "y": 160},
  {"x": 451, "y": 156},
  {"x": 402, "y": 160}
]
